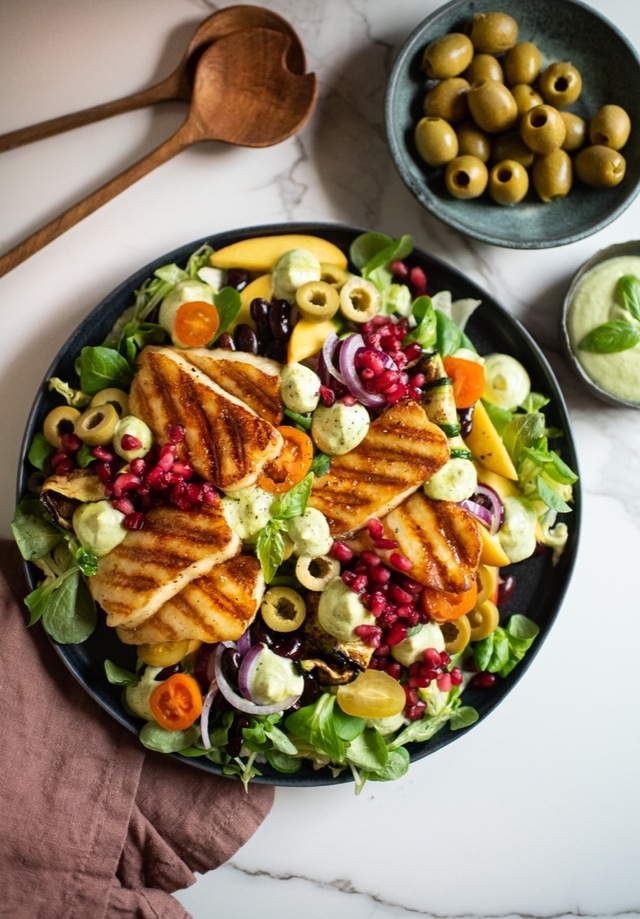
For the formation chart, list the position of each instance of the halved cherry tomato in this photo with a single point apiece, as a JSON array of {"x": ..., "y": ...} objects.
[
  {"x": 196, "y": 323},
  {"x": 373, "y": 694},
  {"x": 176, "y": 702},
  {"x": 291, "y": 465},
  {"x": 443, "y": 606},
  {"x": 468, "y": 380},
  {"x": 167, "y": 653}
]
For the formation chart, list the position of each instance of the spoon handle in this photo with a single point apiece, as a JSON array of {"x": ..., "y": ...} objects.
[
  {"x": 168, "y": 89},
  {"x": 46, "y": 234}
]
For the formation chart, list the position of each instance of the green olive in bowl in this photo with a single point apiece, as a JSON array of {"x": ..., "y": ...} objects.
[
  {"x": 466, "y": 177},
  {"x": 484, "y": 67},
  {"x": 508, "y": 182},
  {"x": 526, "y": 97},
  {"x": 576, "y": 131},
  {"x": 552, "y": 175},
  {"x": 610, "y": 126},
  {"x": 522, "y": 63},
  {"x": 448, "y": 100},
  {"x": 600, "y": 167},
  {"x": 492, "y": 33},
  {"x": 436, "y": 141},
  {"x": 560, "y": 84},
  {"x": 492, "y": 106},
  {"x": 447, "y": 56},
  {"x": 473, "y": 141},
  {"x": 542, "y": 129},
  {"x": 510, "y": 146}
]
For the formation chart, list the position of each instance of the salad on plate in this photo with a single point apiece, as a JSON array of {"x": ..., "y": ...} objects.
[{"x": 292, "y": 489}]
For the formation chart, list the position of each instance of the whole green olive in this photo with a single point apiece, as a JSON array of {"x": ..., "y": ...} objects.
[
  {"x": 522, "y": 63},
  {"x": 576, "y": 131},
  {"x": 484, "y": 67},
  {"x": 436, "y": 141},
  {"x": 560, "y": 84},
  {"x": 510, "y": 146},
  {"x": 447, "y": 56},
  {"x": 492, "y": 106},
  {"x": 610, "y": 126},
  {"x": 599, "y": 166},
  {"x": 542, "y": 129},
  {"x": 492, "y": 33},
  {"x": 466, "y": 177},
  {"x": 448, "y": 100},
  {"x": 552, "y": 175},
  {"x": 508, "y": 182},
  {"x": 472, "y": 141},
  {"x": 526, "y": 97}
]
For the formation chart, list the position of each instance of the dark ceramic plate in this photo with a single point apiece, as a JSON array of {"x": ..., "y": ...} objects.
[
  {"x": 564, "y": 31},
  {"x": 540, "y": 586}
]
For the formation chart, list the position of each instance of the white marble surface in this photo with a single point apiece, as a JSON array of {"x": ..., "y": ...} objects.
[{"x": 536, "y": 812}]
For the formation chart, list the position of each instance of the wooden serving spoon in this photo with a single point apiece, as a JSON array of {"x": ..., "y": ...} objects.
[
  {"x": 243, "y": 93},
  {"x": 178, "y": 85}
]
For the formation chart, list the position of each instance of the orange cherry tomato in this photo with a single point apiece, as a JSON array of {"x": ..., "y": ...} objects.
[
  {"x": 468, "y": 380},
  {"x": 196, "y": 323},
  {"x": 443, "y": 606},
  {"x": 176, "y": 702},
  {"x": 291, "y": 465}
]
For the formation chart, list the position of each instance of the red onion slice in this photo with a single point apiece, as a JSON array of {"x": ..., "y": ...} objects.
[
  {"x": 491, "y": 515},
  {"x": 480, "y": 512},
  {"x": 204, "y": 715},
  {"x": 328, "y": 354},
  {"x": 247, "y": 670},
  {"x": 239, "y": 702},
  {"x": 350, "y": 348}
]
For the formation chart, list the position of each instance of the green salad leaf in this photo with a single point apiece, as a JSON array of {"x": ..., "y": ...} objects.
[{"x": 501, "y": 651}]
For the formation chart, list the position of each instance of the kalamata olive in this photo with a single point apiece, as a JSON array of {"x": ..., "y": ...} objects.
[
  {"x": 245, "y": 339},
  {"x": 275, "y": 350},
  {"x": 237, "y": 278},
  {"x": 522, "y": 63},
  {"x": 492, "y": 106},
  {"x": 576, "y": 131},
  {"x": 280, "y": 320},
  {"x": 230, "y": 664},
  {"x": 552, "y": 175},
  {"x": 484, "y": 67},
  {"x": 610, "y": 126},
  {"x": 508, "y": 182},
  {"x": 542, "y": 129},
  {"x": 436, "y": 141},
  {"x": 560, "y": 84},
  {"x": 526, "y": 97},
  {"x": 465, "y": 420},
  {"x": 510, "y": 146},
  {"x": 600, "y": 167},
  {"x": 506, "y": 589},
  {"x": 466, "y": 177},
  {"x": 472, "y": 141},
  {"x": 447, "y": 56},
  {"x": 226, "y": 342},
  {"x": 289, "y": 646},
  {"x": 259, "y": 310},
  {"x": 448, "y": 100},
  {"x": 492, "y": 33}
]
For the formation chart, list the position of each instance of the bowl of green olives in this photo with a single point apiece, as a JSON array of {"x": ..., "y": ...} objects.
[{"x": 516, "y": 123}]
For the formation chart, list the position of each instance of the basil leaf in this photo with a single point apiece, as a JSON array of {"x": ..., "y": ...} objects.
[
  {"x": 426, "y": 331},
  {"x": 228, "y": 303},
  {"x": 270, "y": 548},
  {"x": 628, "y": 291},
  {"x": 293, "y": 502},
  {"x": 100, "y": 368},
  {"x": 611, "y": 338}
]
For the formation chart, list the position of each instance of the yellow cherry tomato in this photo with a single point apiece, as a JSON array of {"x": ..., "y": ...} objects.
[{"x": 373, "y": 694}]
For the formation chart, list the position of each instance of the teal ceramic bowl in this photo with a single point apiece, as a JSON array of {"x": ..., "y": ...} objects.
[{"x": 564, "y": 30}]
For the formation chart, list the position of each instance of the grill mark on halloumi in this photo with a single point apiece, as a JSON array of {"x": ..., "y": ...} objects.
[
  {"x": 153, "y": 564},
  {"x": 253, "y": 379},
  {"x": 440, "y": 538},
  {"x": 225, "y": 441},
  {"x": 219, "y": 606},
  {"x": 401, "y": 451}
]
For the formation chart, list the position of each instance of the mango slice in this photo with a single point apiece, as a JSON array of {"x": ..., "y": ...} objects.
[
  {"x": 259, "y": 287},
  {"x": 308, "y": 338},
  {"x": 506, "y": 488},
  {"x": 260, "y": 254},
  {"x": 487, "y": 447},
  {"x": 492, "y": 553}
]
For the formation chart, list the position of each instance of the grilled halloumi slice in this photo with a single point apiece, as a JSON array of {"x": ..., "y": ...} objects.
[
  {"x": 440, "y": 538},
  {"x": 402, "y": 450},
  {"x": 153, "y": 564},
  {"x": 218, "y": 606},
  {"x": 225, "y": 441},
  {"x": 253, "y": 379}
]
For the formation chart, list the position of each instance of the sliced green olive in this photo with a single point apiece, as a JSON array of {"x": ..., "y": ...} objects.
[
  {"x": 484, "y": 619},
  {"x": 315, "y": 573},
  {"x": 97, "y": 425},
  {"x": 457, "y": 634},
  {"x": 283, "y": 609},
  {"x": 333, "y": 274},
  {"x": 116, "y": 397},
  {"x": 317, "y": 300},
  {"x": 61, "y": 420},
  {"x": 360, "y": 300}
]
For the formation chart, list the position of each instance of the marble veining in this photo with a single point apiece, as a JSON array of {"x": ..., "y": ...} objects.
[{"x": 536, "y": 811}]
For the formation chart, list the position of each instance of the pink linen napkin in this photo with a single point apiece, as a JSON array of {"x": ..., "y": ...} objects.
[{"x": 91, "y": 823}]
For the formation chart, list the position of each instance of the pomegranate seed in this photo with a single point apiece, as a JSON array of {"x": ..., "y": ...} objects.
[
  {"x": 444, "y": 682},
  {"x": 57, "y": 458},
  {"x": 445, "y": 659},
  {"x": 418, "y": 278},
  {"x": 398, "y": 595},
  {"x": 396, "y": 634},
  {"x": 341, "y": 552},
  {"x": 431, "y": 657},
  {"x": 129, "y": 442},
  {"x": 401, "y": 562},
  {"x": 410, "y": 694},
  {"x": 378, "y": 603},
  {"x": 71, "y": 442},
  {"x": 126, "y": 481},
  {"x": 100, "y": 453},
  {"x": 484, "y": 680},
  {"x": 382, "y": 651},
  {"x": 456, "y": 676},
  {"x": 349, "y": 400},
  {"x": 412, "y": 352},
  {"x": 411, "y": 586},
  {"x": 134, "y": 521},
  {"x": 176, "y": 433},
  {"x": 371, "y": 635},
  {"x": 399, "y": 269},
  {"x": 103, "y": 471},
  {"x": 379, "y": 575},
  {"x": 65, "y": 466},
  {"x": 327, "y": 396},
  {"x": 156, "y": 478},
  {"x": 124, "y": 505},
  {"x": 348, "y": 577},
  {"x": 375, "y": 527},
  {"x": 415, "y": 712},
  {"x": 359, "y": 583},
  {"x": 385, "y": 544},
  {"x": 418, "y": 379},
  {"x": 419, "y": 681},
  {"x": 395, "y": 670},
  {"x": 138, "y": 466}
]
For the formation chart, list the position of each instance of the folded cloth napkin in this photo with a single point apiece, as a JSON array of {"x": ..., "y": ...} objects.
[{"x": 92, "y": 824}]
